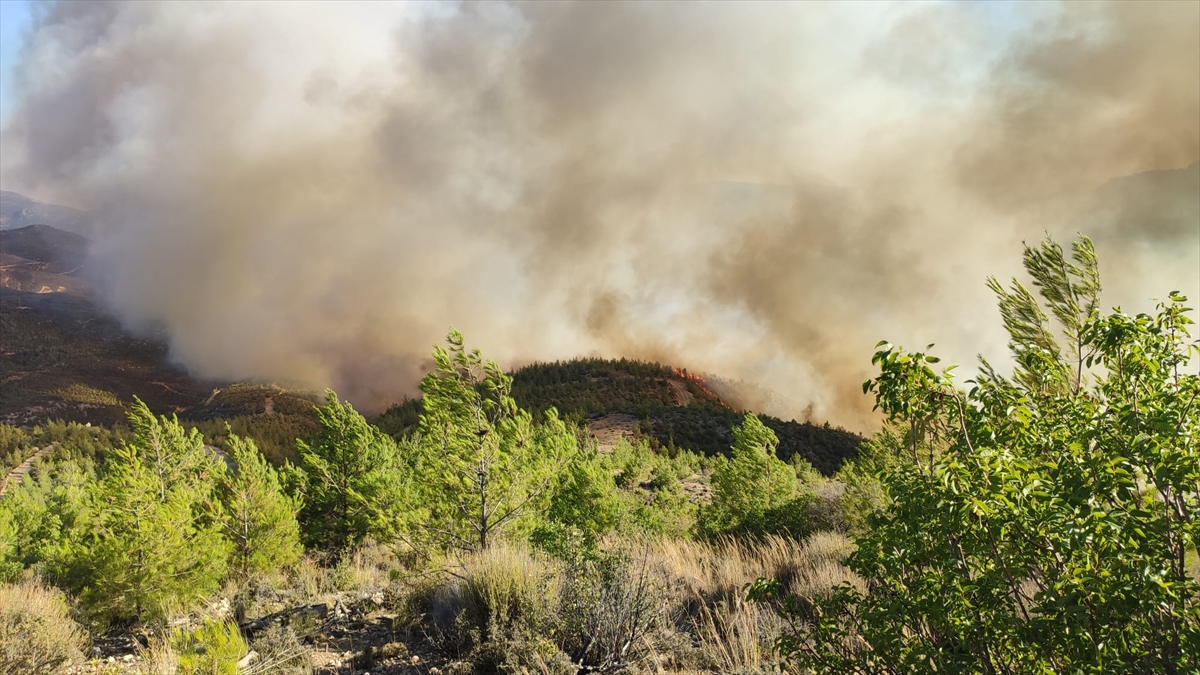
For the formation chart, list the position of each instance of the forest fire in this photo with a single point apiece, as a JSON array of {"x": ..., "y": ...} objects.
[{"x": 702, "y": 385}]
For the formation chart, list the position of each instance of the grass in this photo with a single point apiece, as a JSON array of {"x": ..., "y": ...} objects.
[
  {"x": 37, "y": 634},
  {"x": 497, "y": 609},
  {"x": 81, "y": 393}
]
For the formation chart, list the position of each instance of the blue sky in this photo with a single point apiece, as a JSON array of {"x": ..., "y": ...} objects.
[{"x": 15, "y": 16}]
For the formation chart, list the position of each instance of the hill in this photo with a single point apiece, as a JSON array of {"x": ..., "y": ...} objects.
[
  {"x": 18, "y": 211},
  {"x": 61, "y": 356},
  {"x": 673, "y": 407}
]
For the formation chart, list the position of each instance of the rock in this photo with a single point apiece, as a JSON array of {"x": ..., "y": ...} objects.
[{"x": 250, "y": 656}]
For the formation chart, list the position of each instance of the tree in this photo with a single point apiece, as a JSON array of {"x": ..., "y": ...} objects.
[
  {"x": 260, "y": 520},
  {"x": 351, "y": 479},
  {"x": 1045, "y": 520},
  {"x": 584, "y": 506},
  {"x": 488, "y": 467},
  {"x": 750, "y": 488},
  {"x": 154, "y": 544}
]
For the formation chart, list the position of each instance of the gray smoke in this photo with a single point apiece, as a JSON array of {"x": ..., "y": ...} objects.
[{"x": 313, "y": 192}]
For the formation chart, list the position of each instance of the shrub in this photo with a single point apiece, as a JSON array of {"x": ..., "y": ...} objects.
[
  {"x": 1041, "y": 522},
  {"x": 279, "y": 653},
  {"x": 612, "y": 604},
  {"x": 505, "y": 591},
  {"x": 81, "y": 393},
  {"x": 214, "y": 648},
  {"x": 37, "y": 634}
]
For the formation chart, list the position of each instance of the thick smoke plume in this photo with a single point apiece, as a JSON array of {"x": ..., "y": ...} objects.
[{"x": 314, "y": 192}]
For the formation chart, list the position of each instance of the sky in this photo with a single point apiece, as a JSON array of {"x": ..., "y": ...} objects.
[
  {"x": 14, "y": 19},
  {"x": 315, "y": 191}
]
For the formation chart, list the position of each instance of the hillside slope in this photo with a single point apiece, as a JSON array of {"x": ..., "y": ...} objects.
[
  {"x": 676, "y": 409},
  {"x": 61, "y": 356}
]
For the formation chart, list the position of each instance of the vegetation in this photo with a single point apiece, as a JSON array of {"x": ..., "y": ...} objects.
[
  {"x": 753, "y": 491},
  {"x": 260, "y": 520},
  {"x": 1039, "y": 523},
  {"x": 213, "y": 648},
  {"x": 154, "y": 542},
  {"x": 678, "y": 410},
  {"x": 350, "y": 479},
  {"x": 37, "y": 634},
  {"x": 489, "y": 468}
]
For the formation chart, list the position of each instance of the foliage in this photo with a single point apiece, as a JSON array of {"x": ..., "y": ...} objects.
[
  {"x": 154, "y": 542},
  {"x": 38, "y": 516},
  {"x": 488, "y": 467},
  {"x": 15, "y": 446},
  {"x": 81, "y": 393},
  {"x": 584, "y": 506},
  {"x": 260, "y": 520},
  {"x": 37, "y": 634},
  {"x": 275, "y": 434},
  {"x": 583, "y": 388},
  {"x": 753, "y": 491},
  {"x": 213, "y": 648},
  {"x": 280, "y": 652},
  {"x": 651, "y": 489},
  {"x": 611, "y": 606},
  {"x": 351, "y": 479},
  {"x": 863, "y": 492},
  {"x": 1044, "y": 522}
]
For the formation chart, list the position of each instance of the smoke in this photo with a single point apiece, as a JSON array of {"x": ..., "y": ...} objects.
[{"x": 313, "y": 192}]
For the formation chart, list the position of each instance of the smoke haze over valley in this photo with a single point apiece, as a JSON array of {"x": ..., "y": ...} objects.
[{"x": 314, "y": 192}]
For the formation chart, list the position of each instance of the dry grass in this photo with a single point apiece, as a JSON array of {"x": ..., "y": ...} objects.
[
  {"x": 498, "y": 605},
  {"x": 37, "y": 634},
  {"x": 159, "y": 658},
  {"x": 496, "y": 591},
  {"x": 707, "y": 588}
]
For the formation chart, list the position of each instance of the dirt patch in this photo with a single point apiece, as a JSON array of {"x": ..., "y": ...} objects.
[
  {"x": 606, "y": 430},
  {"x": 682, "y": 395}
]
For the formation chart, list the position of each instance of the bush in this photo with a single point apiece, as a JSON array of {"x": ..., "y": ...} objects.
[
  {"x": 612, "y": 604},
  {"x": 212, "y": 649},
  {"x": 506, "y": 591},
  {"x": 37, "y": 634},
  {"x": 1039, "y": 522},
  {"x": 279, "y": 653}
]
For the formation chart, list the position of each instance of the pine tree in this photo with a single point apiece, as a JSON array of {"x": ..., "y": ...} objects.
[
  {"x": 489, "y": 468},
  {"x": 749, "y": 484},
  {"x": 260, "y": 520},
  {"x": 155, "y": 545},
  {"x": 352, "y": 481}
]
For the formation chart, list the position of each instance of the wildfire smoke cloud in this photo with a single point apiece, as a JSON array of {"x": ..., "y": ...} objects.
[{"x": 315, "y": 191}]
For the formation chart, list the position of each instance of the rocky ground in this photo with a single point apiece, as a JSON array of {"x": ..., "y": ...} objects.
[{"x": 350, "y": 636}]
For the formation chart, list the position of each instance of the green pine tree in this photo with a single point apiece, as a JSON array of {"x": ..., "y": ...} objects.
[
  {"x": 352, "y": 480},
  {"x": 155, "y": 543},
  {"x": 489, "y": 468},
  {"x": 749, "y": 485},
  {"x": 260, "y": 520}
]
